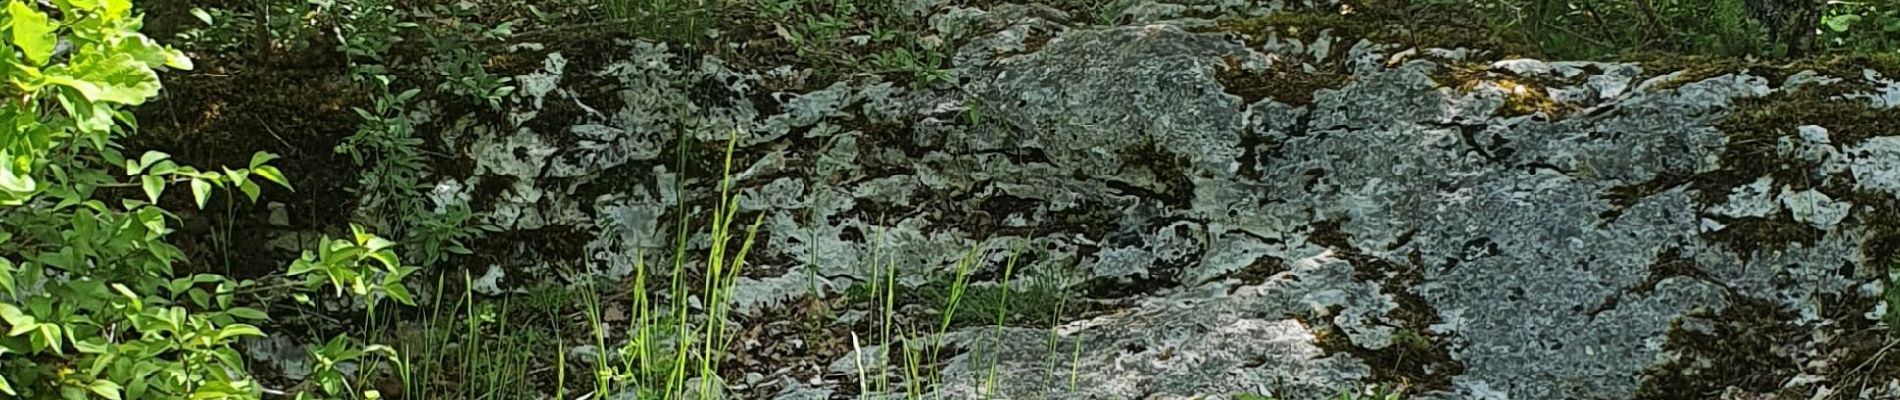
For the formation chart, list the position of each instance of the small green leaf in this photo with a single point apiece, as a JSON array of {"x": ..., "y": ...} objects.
[
  {"x": 258, "y": 160},
  {"x": 247, "y": 313},
  {"x": 400, "y": 294},
  {"x": 154, "y": 186},
  {"x": 200, "y": 190},
  {"x": 148, "y": 159},
  {"x": 33, "y": 32},
  {"x": 1840, "y": 23},
  {"x": 137, "y": 304},
  {"x": 271, "y": 173},
  {"x": 239, "y": 330},
  {"x": 378, "y": 244},
  {"x": 250, "y": 189},
  {"x": 164, "y": 167},
  {"x": 203, "y": 16},
  {"x": 387, "y": 258},
  {"x": 7, "y": 387}
]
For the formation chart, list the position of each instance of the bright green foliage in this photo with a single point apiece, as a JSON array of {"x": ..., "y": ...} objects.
[
  {"x": 666, "y": 348},
  {"x": 329, "y": 376},
  {"x": 345, "y": 265},
  {"x": 90, "y": 305},
  {"x": 367, "y": 268},
  {"x": 392, "y": 187},
  {"x": 1868, "y": 26}
]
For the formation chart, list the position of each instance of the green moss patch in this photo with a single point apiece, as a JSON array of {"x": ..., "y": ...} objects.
[
  {"x": 1746, "y": 346},
  {"x": 1417, "y": 357},
  {"x": 1284, "y": 83}
]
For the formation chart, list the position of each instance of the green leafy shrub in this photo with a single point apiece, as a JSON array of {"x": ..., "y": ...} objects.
[
  {"x": 258, "y": 25},
  {"x": 385, "y": 145},
  {"x": 458, "y": 59},
  {"x": 1862, "y": 26},
  {"x": 90, "y": 302}
]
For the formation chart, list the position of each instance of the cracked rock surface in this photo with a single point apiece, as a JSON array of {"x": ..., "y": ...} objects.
[{"x": 1406, "y": 226}]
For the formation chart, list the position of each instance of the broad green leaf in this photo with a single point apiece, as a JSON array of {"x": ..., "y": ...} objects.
[
  {"x": 50, "y": 333},
  {"x": 153, "y": 185},
  {"x": 122, "y": 79},
  {"x": 12, "y": 316},
  {"x": 149, "y": 158},
  {"x": 93, "y": 346},
  {"x": 271, "y": 173},
  {"x": 387, "y": 258},
  {"x": 105, "y": 388},
  {"x": 200, "y": 190},
  {"x": 153, "y": 54},
  {"x": 400, "y": 294},
  {"x": 235, "y": 175},
  {"x": 302, "y": 266},
  {"x": 258, "y": 159},
  {"x": 239, "y": 330},
  {"x": 203, "y": 16},
  {"x": 176, "y": 59},
  {"x": 33, "y": 32},
  {"x": 22, "y": 329},
  {"x": 164, "y": 167},
  {"x": 250, "y": 189},
  {"x": 378, "y": 244},
  {"x": 14, "y": 181},
  {"x": 7, "y": 387},
  {"x": 72, "y": 393}
]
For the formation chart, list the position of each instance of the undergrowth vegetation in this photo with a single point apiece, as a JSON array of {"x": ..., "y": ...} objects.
[{"x": 1606, "y": 28}]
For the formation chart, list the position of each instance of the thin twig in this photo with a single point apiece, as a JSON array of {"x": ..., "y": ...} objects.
[{"x": 273, "y": 133}]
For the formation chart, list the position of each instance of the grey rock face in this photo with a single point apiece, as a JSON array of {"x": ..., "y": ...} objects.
[{"x": 1398, "y": 227}]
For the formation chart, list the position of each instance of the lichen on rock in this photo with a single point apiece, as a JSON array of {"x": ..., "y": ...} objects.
[{"x": 1280, "y": 212}]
